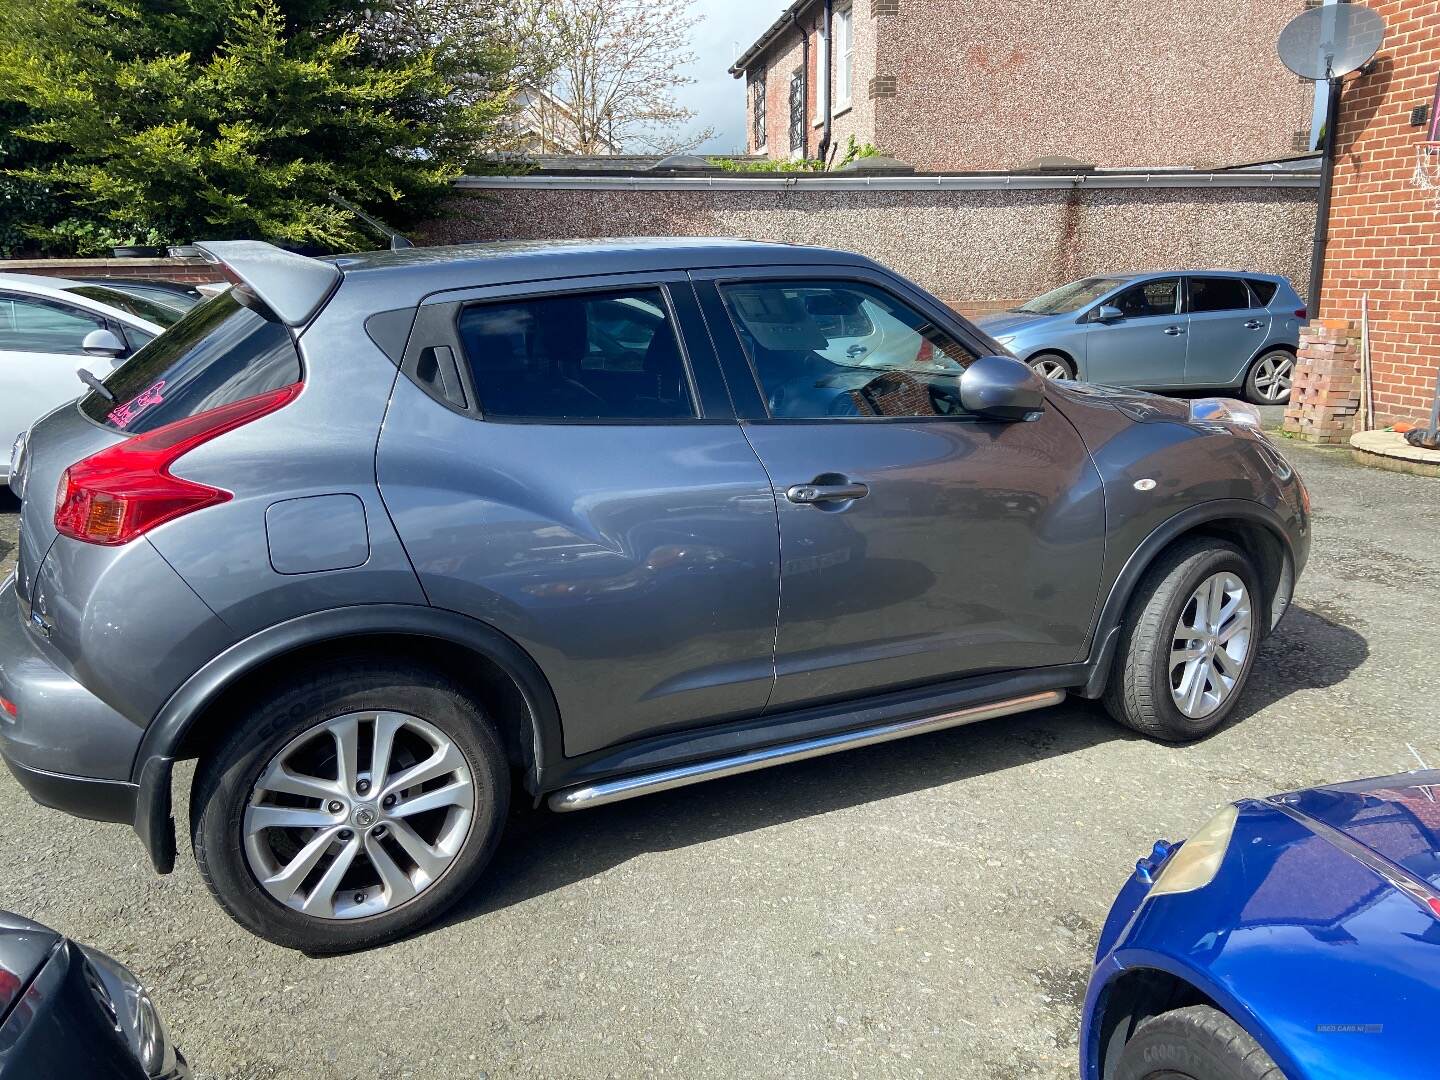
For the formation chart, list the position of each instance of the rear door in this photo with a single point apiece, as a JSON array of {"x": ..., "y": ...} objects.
[
  {"x": 919, "y": 542},
  {"x": 1227, "y": 328},
  {"x": 562, "y": 461},
  {"x": 1145, "y": 346}
]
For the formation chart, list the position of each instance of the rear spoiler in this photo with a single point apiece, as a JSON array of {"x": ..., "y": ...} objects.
[{"x": 294, "y": 287}]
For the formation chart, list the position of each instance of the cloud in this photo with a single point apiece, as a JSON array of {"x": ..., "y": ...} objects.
[{"x": 728, "y": 29}]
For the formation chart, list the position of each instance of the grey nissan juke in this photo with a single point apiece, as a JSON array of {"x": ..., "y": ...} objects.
[{"x": 381, "y": 537}]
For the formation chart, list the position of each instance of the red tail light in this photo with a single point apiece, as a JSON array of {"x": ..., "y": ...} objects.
[
  {"x": 1300, "y": 313},
  {"x": 126, "y": 490}
]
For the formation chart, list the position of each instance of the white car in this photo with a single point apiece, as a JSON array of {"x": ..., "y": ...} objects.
[{"x": 50, "y": 329}]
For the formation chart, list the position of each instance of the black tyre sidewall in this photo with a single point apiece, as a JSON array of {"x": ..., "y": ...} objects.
[
  {"x": 1197, "y": 1042},
  {"x": 1170, "y": 585},
  {"x": 227, "y": 777}
]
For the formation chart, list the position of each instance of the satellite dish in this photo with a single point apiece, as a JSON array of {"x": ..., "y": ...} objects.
[{"x": 1328, "y": 42}]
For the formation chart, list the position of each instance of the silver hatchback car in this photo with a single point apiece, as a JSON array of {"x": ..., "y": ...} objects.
[
  {"x": 385, "y": 538},
  {"x": 1174, "y": 330}
]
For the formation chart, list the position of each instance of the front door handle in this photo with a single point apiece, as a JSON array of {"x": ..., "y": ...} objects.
[
  {"x": 1254, "y": 324},
  {"x": 1173, "y": 330},
  {"x": 809, "y": 494}
]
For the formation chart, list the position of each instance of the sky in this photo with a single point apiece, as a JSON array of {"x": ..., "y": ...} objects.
[{"x": 728, "y": 29}]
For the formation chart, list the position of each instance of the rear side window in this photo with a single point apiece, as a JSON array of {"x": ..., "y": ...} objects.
[
  {"x": 1218, "y": 294},
  {"x": 611, "y": 355},
  {"x": 1264, "y": 290},
  {"x": 224, "y": 350}
]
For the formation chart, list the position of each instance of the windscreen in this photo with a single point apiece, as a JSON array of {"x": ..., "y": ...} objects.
[
  {"x": 1071, "y": 297},
  {"x": 223, "y": 350},
  {"x": 150, "y": 310}
]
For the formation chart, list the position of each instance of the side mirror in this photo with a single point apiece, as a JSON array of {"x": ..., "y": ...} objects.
[
  {"x": 1002, "y": 388},
  {"x": 103, "y": 343},
  {"x": 1108, "y": 313}
]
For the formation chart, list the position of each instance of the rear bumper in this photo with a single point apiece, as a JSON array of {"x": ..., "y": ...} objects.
[{"x": 83, "y": 796}]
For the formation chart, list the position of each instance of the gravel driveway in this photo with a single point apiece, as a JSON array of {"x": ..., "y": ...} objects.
[{"x": 923, "y": 908}]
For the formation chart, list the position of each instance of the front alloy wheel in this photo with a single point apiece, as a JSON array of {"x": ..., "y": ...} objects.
[
  {"x": 1211, "y": 643},
  {"x": 1050, "y": 366}
]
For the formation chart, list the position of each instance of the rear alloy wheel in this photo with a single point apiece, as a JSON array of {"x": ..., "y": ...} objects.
[
  {"x": 1188, "y": 642},
  {"x": 1270, "y": 378},
  {"x": 1051, "y": 365},
  {"x": 350, "y": 809},
  {"x": 1194, "y": 1043}
]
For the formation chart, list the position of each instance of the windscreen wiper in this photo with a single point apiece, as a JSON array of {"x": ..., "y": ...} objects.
[{"x": 95, "y": 384}]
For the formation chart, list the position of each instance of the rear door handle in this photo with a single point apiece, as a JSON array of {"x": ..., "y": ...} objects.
[
  {"x": 1173, "y": 330},
  {"x": 1254, "y": 324},
  {"x": 809, "y": 494}
]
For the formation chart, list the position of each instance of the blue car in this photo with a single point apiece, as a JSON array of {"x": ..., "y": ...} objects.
[
  {"x": 1163, "y": 331},
  {"x": 1296, "y": 936}
]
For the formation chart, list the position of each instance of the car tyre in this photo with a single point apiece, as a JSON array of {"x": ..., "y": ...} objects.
[
  {"x": 232, "y": 777},
  {"x": 1194, "y": 1043},
  {"x": 1270, "y": 378},
  {"x": 1148, "y": 689},
  {"x": 1049, "y": 365}
]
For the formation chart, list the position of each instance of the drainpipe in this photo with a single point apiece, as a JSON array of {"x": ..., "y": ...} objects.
[
  {"x": 1322, "y": 211},
  {"x": 829, "y": 61}
]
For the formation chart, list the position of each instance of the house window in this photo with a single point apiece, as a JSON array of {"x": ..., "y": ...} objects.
[
  {"x": 757, "y": 85},
  {"x": 822, "y": 66},
  {"x": 797, "y": 110},
  {"x": 844, "y": 56}
]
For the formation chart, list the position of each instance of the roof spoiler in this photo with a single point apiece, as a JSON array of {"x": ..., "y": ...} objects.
[{"x": 293, "y": 286}]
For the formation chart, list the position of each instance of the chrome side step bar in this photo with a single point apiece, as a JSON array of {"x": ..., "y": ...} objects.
[{"x": 629, "y": 787}]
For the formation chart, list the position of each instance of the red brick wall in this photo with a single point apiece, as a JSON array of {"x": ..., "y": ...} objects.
[
  {"x": 1384, "y": 232},
  {"x": 189, "y": 271}
]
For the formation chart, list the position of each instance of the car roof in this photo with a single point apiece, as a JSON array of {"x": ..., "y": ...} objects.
[
  {"x": 58, "y": 288},
  {"x": 417, "y": 271}
]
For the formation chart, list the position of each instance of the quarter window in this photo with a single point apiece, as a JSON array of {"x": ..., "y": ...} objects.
[
  {"x": 1264, "y": 290},
  {"x": 610, "y": 355},
  {"x": 845, "y": 349},
  {"x": 1218, "y": 294},
  {"x": 34, "y": 325},
  {"x": 1159, "y": 297}
]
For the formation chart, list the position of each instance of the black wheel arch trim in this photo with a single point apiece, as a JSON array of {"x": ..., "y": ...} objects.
[
  {"x": 1112, "y": 614},
  {"x": 151, "y": 769}
]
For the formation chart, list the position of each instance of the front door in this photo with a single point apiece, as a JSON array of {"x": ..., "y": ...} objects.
[
  {"x": 586, "y": 489},
  {"x": 1225, "y": 330},
  {"x": 1145, "y": 345},
  {"x": 40, "y": 353},
  {"x": 918, "y": 542}
]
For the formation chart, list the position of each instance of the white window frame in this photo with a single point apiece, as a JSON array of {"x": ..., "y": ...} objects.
[
  {"x": 822, "y": 65},
  {"x": 844, "y": 31}
]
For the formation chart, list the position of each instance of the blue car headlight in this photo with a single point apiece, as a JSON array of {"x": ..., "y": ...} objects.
[
  {"x": 1005, "y": 339},
  {"x": 1198, "y": 861}
]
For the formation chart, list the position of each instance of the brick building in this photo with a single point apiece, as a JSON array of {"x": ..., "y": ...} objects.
[
  {"x": 1384, "y": 240},
  {"x": 968, "y": 85}
]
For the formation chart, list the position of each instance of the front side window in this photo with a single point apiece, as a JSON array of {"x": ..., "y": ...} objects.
[
  {"x": 611, "y": 355},
  {"x": 845, "y": 349},
  {"x": 1218, "y": 294},
  {"x": 224, "y": 350},
  {"x": 844, "y": 56},
  {"x": 1158, "y": 297},
  {"x": 32, "y": 324}
]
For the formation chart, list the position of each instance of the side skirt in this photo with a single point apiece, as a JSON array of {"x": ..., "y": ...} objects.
[{"x": 584, "y": 796}]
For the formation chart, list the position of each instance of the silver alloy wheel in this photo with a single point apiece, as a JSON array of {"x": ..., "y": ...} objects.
[
  {"x": 1273, "y": 375},
  {"x": 1210, "y": 645},
  {"x": 358, "y": 815},
  {"x": 1048, "y": 368}
]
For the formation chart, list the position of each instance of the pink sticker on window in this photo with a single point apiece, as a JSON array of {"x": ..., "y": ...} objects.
[{"x": 122, "y": 416}]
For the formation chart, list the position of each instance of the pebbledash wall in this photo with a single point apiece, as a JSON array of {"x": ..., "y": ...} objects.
[
  {"x": 993, "y": 84},
  {"x": 978, "y": 242},
  {"x": 1384, "y": 242}
]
